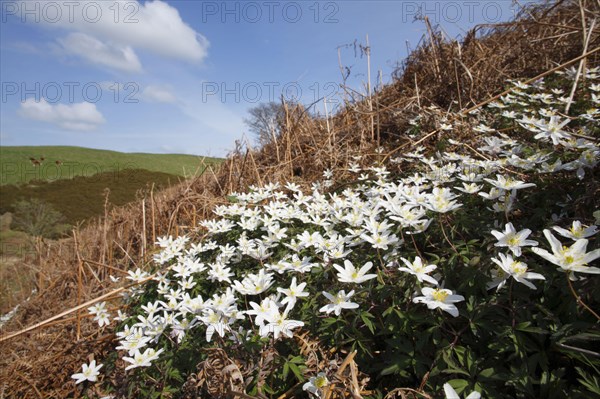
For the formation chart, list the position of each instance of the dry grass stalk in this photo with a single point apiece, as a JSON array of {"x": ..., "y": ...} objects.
[
  {"x": 438, "y": 72},
  {"x": 74, "y": 309}
]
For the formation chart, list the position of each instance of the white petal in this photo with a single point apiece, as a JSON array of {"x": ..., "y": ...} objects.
[
  {"x": 450, "y": 392},
  {"x": 546, "y": 255},
  {"x": 554, "y": 243}
]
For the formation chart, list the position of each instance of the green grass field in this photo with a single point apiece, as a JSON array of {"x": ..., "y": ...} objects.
[
  {"x": 73, "y": 181},
  {"x": 64, "y": 162}
]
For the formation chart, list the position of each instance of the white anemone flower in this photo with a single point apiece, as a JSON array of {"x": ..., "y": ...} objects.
[
  {"x": 142, "y": 359},
  {"x": 417, "y": 269},
  {"x": 516, "y": 270},
  {"x": 262, "y": 311},
  {"x": 293, "y": 293},
  {"x": 338, "y": 302},
  {"x": 254, "y": 284},
  {"x": 278, "y": 324},
  {"x": 316, "y": 384},
  {"x": 380, "y": 240},
  {"x": 552, "y": 129},
  {"x": 512, "y": 239},
  {"x": 90, "y": 372},
  {"x": 350, "y": 274},
  {"x": 577, "y": 231},
  {"x": 439, "y": 298},
  {"x": 215, "y": 321},
  {"x": 569, "y": 259},
  {"x": 508, "y": 183}
]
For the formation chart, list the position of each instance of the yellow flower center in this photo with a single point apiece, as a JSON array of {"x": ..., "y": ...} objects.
[
  {"x": 513, "y": 241},
  {"x": 569, "y": 259},
  {"x": 576, "y": 232},
  {"x": 439, "y": 295},
  {"x": 321, "y": 381},
  {"x": 518, "y": 268}
]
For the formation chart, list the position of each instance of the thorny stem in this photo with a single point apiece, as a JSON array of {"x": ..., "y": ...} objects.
[{"x": 579, "y": 300}]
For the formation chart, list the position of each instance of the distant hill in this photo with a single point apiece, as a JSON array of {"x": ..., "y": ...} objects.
[{"x": 22, "y": 164}]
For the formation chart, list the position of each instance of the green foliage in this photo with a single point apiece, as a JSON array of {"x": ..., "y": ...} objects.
[
  {"x": 501, "y": 337},
  {"x": 84, "y": 197},
  {"x": 37, "y": 218}
]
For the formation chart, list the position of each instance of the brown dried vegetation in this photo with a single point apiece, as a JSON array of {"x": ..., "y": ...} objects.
[{"x": 447, "y": 74}]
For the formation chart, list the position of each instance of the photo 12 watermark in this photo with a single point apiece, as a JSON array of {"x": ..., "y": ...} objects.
[
  {"x": 16, "y": 251},
  {"x": 57, "y": 92},
  {"x": 270, "y": 91},
  {"x": 49, "y": 170},
  {"x": 438, "y": 12},
  {"x": 254, "y": 12},
  {"x": 71, "y": 12}
]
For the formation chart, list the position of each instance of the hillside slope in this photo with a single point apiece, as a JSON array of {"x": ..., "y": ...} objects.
[
  {"x": 377, "y": 128},
  {"x": 18, "y": 163}
]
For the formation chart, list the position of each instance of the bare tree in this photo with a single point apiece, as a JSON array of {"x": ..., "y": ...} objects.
[{"x": 265, "y": 121}]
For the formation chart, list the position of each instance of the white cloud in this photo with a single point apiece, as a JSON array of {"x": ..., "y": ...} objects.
[
  {"x": 223, "y": 124},
  {"x": 158, "y": 95},
  {"x": 159, "y": 29},
  {"x": 107, "y": 54},
  {"x": 82, "y": 116},
  {"x": 25, "y": 47},
  {"x": 154, "y": 26}
]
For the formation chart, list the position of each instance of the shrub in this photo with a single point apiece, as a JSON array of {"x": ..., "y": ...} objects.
[{"x": 37, "y": 218}]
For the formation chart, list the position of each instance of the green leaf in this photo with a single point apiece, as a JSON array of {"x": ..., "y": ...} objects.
[
  {"x": 475, "y": 261},
  {"x": 393, "y": 369},
  {"x": 459, "y": 385},
  {"x": 365, "y": 318},
  {"x": 297, "y": 360},
  {"x": 297, "y": 372},
  {"x": 526, "y": 327},
  {"x": 487, "y": 373},
  {"x": 453, "y": 367},
  {"x": 590, "y": 382},
  {"x": 286, "y": 370}
]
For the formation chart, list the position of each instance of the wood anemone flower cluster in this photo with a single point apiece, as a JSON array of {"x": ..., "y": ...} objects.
[{"x": 51, "y": 334}]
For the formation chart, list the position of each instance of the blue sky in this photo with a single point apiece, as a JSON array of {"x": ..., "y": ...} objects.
[{"x": 180, "y": 76}]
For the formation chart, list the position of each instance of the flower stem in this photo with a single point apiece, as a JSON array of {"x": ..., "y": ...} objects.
[
  {"x": 579, "y": 300},
  {"x": 441, "y": 222}
]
